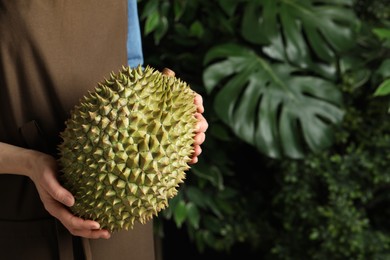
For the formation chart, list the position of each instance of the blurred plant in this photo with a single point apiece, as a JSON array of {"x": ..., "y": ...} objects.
[
  {"x": 383, "y": 72},
  {"x": 334, "y": 204}
]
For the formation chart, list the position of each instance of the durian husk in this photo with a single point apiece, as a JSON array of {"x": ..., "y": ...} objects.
[{"x": 127, "y": 145}]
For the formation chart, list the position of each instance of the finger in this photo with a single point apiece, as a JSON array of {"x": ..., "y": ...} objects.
[
  {"x": 199, "y": 138},
  {"x": 54, "y": 188},
  {"x": 76, "y": 223},
  {"x": 198, "y": 101},
  {"x": 197, "y": 151},
  {"x": 94, "y": 234},
  {"x": 85, "y": 228},
  {"x": 58, "y": 210},
  {"x": 194, "y": 160},
  {"x": 201, "y": 125},
  {"x": 77, "y": 226}
]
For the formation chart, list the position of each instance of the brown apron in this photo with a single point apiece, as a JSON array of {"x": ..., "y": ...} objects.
[{"x": 51, "y": 53}]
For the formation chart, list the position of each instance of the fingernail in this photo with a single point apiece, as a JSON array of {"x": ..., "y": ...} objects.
[
  {"x": 95, "y": 226},
  {"x": 69, "y": 201}
]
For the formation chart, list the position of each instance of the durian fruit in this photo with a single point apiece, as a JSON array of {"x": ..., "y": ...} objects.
[{"x": 126, "y": 147}]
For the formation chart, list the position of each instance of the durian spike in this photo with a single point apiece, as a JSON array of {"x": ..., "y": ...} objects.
[{"x": 168, "y": 72}]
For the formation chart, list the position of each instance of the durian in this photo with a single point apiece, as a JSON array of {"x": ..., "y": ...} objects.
[{"x": 126, "y": 147}]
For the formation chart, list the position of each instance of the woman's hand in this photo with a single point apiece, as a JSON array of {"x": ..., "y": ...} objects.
[
  {"x": 201, "y": 128},
  {"x": 55, "y": 198},
  {"x": 42, "y": 170}
]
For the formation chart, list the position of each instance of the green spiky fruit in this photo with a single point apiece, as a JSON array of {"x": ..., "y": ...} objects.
[{"x": 126, "y": 147}]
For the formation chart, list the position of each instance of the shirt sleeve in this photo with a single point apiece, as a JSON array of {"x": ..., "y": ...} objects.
[{"x": 134, "y": 42}]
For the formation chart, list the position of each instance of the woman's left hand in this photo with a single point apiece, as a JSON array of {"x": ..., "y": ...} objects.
[{"x": 201, "y": 128}]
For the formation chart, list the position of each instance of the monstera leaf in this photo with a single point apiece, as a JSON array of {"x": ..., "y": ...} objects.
[
  {"x": 270, "y": 106},
  {"x": 301, "y": 31}
]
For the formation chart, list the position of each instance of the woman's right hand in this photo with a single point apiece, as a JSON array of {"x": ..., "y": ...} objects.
[
  {"x": 42, "y": 170},
  {"x": 55, "y": 198}
]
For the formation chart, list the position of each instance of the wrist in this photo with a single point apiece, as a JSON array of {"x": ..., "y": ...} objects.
[{"x": 17, "y": 160}]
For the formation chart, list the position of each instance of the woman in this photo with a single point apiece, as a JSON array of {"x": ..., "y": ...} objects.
[{"x": 51, "y": 54}]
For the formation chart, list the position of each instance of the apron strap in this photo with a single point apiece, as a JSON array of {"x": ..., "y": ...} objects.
[
  {"x": 65, "y": 243},
  {"x": 33, "y": 136},
  {"x": 87, "y": 248}
]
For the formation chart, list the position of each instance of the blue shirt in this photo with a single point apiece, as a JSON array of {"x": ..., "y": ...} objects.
[{"x": 134, "y": 44}]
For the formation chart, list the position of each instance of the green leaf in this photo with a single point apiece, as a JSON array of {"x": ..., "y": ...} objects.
[
  {"x": 161, "y": 30},
  {"x": 193, "y": 215},
  {"x": 268, "y": 106},
  {"x": 150, "y": 7},
  {"x": 168, "y": 212},
  {"x": 225, "y": 206},
  {"x": 383, "y": 89},
  {"x": 222, "y": 69},
  {"x": 228, "y": 6},
  {"x": 180, "y": 213},
  {"x": 291, "y": 29},
  {"x": 152, "y": 22},
  {"x": 259, "y": 24},
  {"x": 196, "y": 196},
  {"x": 213, "y": 207},
  {"x": 211, "y": 174},
  {"x": 382, "y": 33},
  {"x": 179, "y": 7},
  {"x": 384, "y": 69},
  {"x": 197, "y": 29}
]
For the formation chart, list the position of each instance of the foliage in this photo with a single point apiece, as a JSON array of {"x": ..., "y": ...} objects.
[
  {"x": 296, "y": 159},
  {"x": 383, "y": 71},
  {"x": 270, "y": 107},
  {"x": 214, "y": 213},
  {"x": 384, "y": 87},
  {"x": 334, "y": 203},
  {"x": 280, "y": 94}
]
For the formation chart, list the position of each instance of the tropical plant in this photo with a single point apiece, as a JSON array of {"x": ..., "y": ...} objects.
[{"x": 281, "y": 94}]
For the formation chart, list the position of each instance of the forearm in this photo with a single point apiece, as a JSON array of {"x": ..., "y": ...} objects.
[{"x": 16, "y": 160}]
